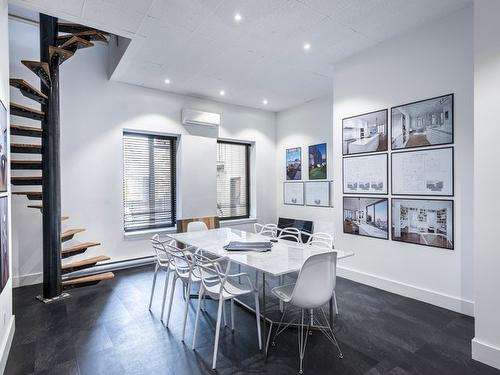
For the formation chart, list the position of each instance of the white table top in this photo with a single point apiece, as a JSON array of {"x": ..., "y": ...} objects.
[{"x": 285, "y": 256}]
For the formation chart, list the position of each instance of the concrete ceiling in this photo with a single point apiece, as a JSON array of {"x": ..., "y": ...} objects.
[{"x": 202, "y": 50}]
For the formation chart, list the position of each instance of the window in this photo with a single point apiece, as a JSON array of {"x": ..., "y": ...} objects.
[
  {"x": 233, "y": 180},
  {"x": 148, "y": 181}
]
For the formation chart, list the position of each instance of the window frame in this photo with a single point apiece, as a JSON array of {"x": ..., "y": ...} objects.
[
  {"x": 173, "y": 180},
  {"x": 248, "y": 146}
]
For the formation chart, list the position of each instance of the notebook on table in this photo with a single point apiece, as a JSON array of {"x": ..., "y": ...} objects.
[{"x": 259, "y": 247}]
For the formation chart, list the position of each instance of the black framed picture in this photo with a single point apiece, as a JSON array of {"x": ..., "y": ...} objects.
[
  {"x": 294, "y": 163},
  {"x": 427, "y": 222},
  {"x": 423, "y": 123},
  {"x": 293, "y": 193},
  {"x": 423, "y": 172},
  {"x": 317, "y": 193},
  {"x": 366, "y": 216},
  {"x": 365, "y": 133},
  {"x": 4, "y": 242},
  {"x": 3, "y": 148},
  {"x": 317, "y": 162},
  {"x": 365, "y": 174}
]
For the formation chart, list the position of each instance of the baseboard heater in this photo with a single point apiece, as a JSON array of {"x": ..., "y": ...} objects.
[{"x": 111, "y": 266}]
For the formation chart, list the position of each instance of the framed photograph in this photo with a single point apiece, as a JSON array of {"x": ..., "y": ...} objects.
[
  {"x": 331, "y": 194},
  {"x": 4, "y": 242},
  {"x": 365, "y": 174},
  {"x": 427, "y": 222},
  {"x": 293, "y": 193},
  {"x": 423, "y": 172},
  {"x": 3, "y": 148},
  {"x": 366, "y": 216},
  {"x": 424, "y": 123},
  {"x": 318, "y": 193},
  {"x": 317, "y": 162},
  {"x": 294, "y": 163},
  {"x": 365, "y": 133}
]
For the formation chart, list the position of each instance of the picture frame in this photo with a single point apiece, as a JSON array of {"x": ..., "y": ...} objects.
[
  {"x": 317, "y": 193},
  {"x": 423, "y": 172},
  {"x": 293, "y": 193},
  {"x": 3, "y": 148},
  {"x": 4, "y": 242},
  {"x": 318, "y": 162},
  {"x": 366, "y": 216},
  {"x": 423, "y": 123},
  {"x": 366, "y": 174},
  {"x": 365, "y": 133},
  {"x": 425, "y": 222},
  {"x": 293, "y": 163}
]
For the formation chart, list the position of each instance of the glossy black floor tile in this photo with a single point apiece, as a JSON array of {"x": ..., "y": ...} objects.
[{"x": 107, "y": 329}]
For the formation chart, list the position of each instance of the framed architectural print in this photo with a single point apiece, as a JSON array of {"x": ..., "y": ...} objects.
[
  {"x": 3, "y": 148},
  {"x": 317, "y": 193},
  {"x": 423, "y": 172},
  {"x": 424, "y": 123},
  {"x": 366, "y": 216},
  {"x": 4, "y": 242},
  {"x": 427, "y": 222},
  {"x": 294, "y": 163},
  {"x": 293, "y": 193},
  {"x": 365, "y": 174},
  {"x": 317, "y": 162},
  {"x": 365, "y": 133}
]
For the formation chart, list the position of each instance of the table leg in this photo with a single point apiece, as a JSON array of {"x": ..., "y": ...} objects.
[
  {"x": 330, "y": 315},
  {"x": 264, "y": 336}
]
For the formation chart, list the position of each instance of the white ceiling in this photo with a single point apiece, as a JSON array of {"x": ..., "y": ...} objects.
[{"x": 199, "y": 47}]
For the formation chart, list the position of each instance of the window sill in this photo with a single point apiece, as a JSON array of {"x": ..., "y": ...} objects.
[
  {"x": 228, "y": 223},
  {"x": 148, "y": 233}
]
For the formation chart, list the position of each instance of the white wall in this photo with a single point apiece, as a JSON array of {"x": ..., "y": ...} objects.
[
  {"x": 6, "y": 317},
  {"x": 486, "y": 343},
  {"x": 433, "y": 60},
  {"x": 94, "y": 113},
  {"x": 302, "y": 126}
]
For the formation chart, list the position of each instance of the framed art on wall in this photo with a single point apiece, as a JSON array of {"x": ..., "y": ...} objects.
[
  {"x": 366, "y": 216},
  {"x": 3, "y": 148},
  {"x": 293, "y": 193},
  {"x": 294, "y": 163},
  {"x": 427, "y": 222},
  {"x": 365, "y": 174},
  {"x": 317, "y": 162},
  {"x": 365, "y": 133},
  {"x": 424, "y": 123},
  {"x": 318, "y": 193},
  {"x": 4, "y": 242},
  {"x": 423, "y": 172}
]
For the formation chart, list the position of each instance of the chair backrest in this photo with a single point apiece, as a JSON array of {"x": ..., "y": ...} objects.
[
  {"x": 181, "y": 259},
  {"x": 321, "y": 239},
  {"x": 305, "y": 226},
  {"x": 159, "y": 249},
  {"x": 196, "y": 226},
  {"x": 316, "y": 281},
  {"x": 211, "y": 270},
  {"x": 266, "y": 229},
  {"x": 212, "y": 222},
  {"x": 291, "y": 234}
]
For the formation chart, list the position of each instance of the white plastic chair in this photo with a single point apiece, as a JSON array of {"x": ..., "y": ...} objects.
[
  {"x": 266, "y": 229},
  {"x": 220, "y": 285},
  {"x": 291, "y": 234},
  {"x": 196, "y": 226},
  {"x": 313, "y": 289},
  {"x": 163, "y": 264}
]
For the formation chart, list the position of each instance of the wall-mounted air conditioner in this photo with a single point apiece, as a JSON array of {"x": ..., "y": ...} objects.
[{"x": 194, "y": 117}]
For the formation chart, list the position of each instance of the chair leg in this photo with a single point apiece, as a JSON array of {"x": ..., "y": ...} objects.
[
  {"x": 153, "y": 287},
  {"x": 188, "y": 291},
  {"x": 257, "y": 317},
  {"x": 165, "y": 288},
  {"x": 232, "y": 315},
  {"x": 217, "y": 332},
  {"x": 172, "y": 290},
  {"x": 224, "y": 313},
  {"x": 279, "y": 327},
  {"x": 281, "y": 282},
  {"x": 335, "y": 301},
  {"x": 198, "y": 308}
]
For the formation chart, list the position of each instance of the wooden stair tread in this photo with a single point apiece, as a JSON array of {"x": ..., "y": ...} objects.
[
  {"x": 64, "y": 218},
  {"x": 77, "y": 43},
  {"x": 69, "y": 27},
  {"x": 28, "y": 131},
  {"x": 41, "y": 69},
  {"x": 72, "y": 232},
  {"x": 28, "y": 90},
  {"x": 85, "y": 262},
  {"x": 60, "y": 54},
  {"x": 23, "y": 111},
  {"x": 90, "y": 35},
  {"x": 24, "y": 148},
  {"x": 37, "y": 206},
  {"x": 89, "y": 279},
  {"x": 32, "y": 195},
  {"x": 26, "y": 164},
  {"x": 26, "y": 180},
  {"x": 81, "y": 246}
]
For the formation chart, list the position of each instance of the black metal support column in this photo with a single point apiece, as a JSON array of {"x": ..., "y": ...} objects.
[{"x": 51, "y": 169}]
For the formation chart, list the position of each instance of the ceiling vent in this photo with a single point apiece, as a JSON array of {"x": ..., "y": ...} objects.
[{"x": 200, "y": 118}]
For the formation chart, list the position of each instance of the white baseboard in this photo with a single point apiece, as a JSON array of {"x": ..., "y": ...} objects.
[
  {"x": 7, "y": 343},
  {"x": 442, "y": 300},
  {"x": 29, "y": 279},
  {"x": 485, "y": 353}
]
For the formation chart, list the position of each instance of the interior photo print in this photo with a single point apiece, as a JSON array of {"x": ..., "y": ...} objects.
[
  {"x": 3, "y": 148},
  {"x": 4, "y": 242},
  {"x": 365, "y": 133},
  {"x": 424, "y": 123},
  {"x": 366, "y": 217},
  {"x": 293, "y": 163},
  {"x": 317, "y": 162},
  {"x": 423, "y": 221}
]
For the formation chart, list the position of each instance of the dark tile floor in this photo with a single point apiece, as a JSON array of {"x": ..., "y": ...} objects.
[{"x": 107, "y": 329}]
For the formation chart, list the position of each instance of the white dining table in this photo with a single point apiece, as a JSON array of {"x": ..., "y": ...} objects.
[{"x": 284, "y": 258}]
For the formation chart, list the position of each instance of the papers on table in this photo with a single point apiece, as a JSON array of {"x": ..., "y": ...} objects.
[{"x": 249, "y": 246}]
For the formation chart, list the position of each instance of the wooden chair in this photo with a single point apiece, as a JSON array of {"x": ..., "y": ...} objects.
[{"x": 212, "y": 222}]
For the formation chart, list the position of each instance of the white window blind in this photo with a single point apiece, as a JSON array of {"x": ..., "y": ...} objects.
[
  {"x": 148, "y": 181},
  {"x": 233, "y": 182}
]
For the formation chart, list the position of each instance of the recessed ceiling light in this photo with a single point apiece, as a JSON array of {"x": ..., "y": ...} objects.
[
  {"x": 167, "y": 81},
  {"x": 307, "y": 46},
  {"x": 237, "y": 17},
  {"x": 222, "y": 93},
  {"x": 265, "y": 102}
]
